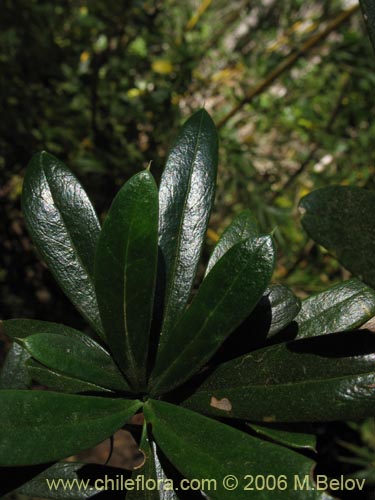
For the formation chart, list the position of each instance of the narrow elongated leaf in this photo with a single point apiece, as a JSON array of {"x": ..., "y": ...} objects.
[
  {"x": 77, "y": 356},
  {"x": 59, "y": 382},
  {"x": 202, "y": 448},
  {"x": 288, "y": 437},
  {"x": 345, "y": 306},
  {"x": 226, "y": 297},
  {"x": 147, "y": 470},
  {"x": 64, "y": 228},
  {"x": 186, "y": 195},
  {"x": 242, "y": 227},
  {"x": 14, "y": 373},
  {"x": 125, "y": 273},
  {"x": 22, "y": 328},
  {"x": 342, "y": 219},
  {"x": 323, "y": 378},
  {"x": 276, "y": 309},
  {"x": 40, "y": 426},
  {"x": 368, "y": 8}
]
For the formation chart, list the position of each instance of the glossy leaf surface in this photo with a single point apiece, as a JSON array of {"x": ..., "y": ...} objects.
[
  {"x": 318, "y": 379},
  {"x": 242, "y": 227},
  {"x": 226, "y": 297},
  {"x": 40, "y": 426},
  {"x": 280, "y": 305},
  {"x": 201, "y": 447},
  {"x": 342, "y": 219},
  {"x": 125, "y": 273},
  {"x": 64, "y": 227},
  {"x": 186, "y": 195},
  {"x": 345, "y": 306},
  {"x": 77, "y": 356},
  {"x": 59, "y": 382}
]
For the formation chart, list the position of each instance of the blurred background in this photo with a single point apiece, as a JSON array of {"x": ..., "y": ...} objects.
[{"x": 105, "y": 86}]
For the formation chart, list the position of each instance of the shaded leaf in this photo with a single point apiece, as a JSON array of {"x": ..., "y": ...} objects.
[
  {"x": 345, "y": 306},
  {"x": 58, "y": 381},
  {"x": 14, "y": 373},
  {"x": 77, "y": 356},
  {"x": 125, "y": 273},
  {"x": 226, "y": 297},
  {"x": 201, "y": 447},
  {"x": 241, "y": 228},
  {"x": 41, "y": 426},
  {"x": 286, "y": 435},
  {"x": 186, "y": 195},
  {"x": 63, "y": 225},
  {"x": 342, "y": 219},
  {"x": 324, "y": 378},
  {"x": 22, "y": 328}
]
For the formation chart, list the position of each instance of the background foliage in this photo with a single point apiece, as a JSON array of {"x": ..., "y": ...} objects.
[{"x": 105, "y": 90}]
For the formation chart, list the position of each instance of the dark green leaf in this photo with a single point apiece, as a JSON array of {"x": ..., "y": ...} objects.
[
  {"x": 201, "y": 447},
  {"x": 368, "y": 8},
  {"x": 279, "y": 307},
  {"x": 64, "y": 228},
  {"x": 125, "y": 273},
  {"x": 58, "y": 381},
  {"x": 342, "y": 219},
  {"x": 148, "y": 470},
  {"x": 14, "y": 374},
  {"x": 288, "y": 436},
  {"x": 22, "y": 328},
  {"x": 226, "y": 297},
  {"x": 342, "y": 307},
  {"x": 242, "y": 227},
  {"x": 324, "y": 378},
  {"x": 77, "y": 356},
  {"x": 41, "y": 426},
  {"x": 186, "y": 196}
]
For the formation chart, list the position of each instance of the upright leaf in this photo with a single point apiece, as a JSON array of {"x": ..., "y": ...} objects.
[
  {"x": 186, "y": 196},
  {"x": 368, "y": 8},
  {"x": 202, "y": 448},
  {"x": 226, "y": 297},
  {"x": 40, "y": 426},
  {"x": 64, "y": 228},
  {"x": 125, "y": 271},
  {"x": 324, "y": 378},
  {"x": 345, "y": 306},
  {"x": 342, "y": 219},
  {"x": 241, "y": 228},
  {"x": 77, "y": 356}
]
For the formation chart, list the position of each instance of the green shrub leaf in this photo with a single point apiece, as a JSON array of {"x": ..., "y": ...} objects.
[
  {"x": 14, "y": 373},
  {"x": 186, "y": 195},
  {"x": 58, "y": 381},
  {"x": 226, "y": 297},
  {"x": 287, "y": 435},
  {"x": 40, "y": 426},
  {"x": 342, "y": 219},
  {"x": 63, "y": 225},
  {"x": 77, "y": 356},
  {"x": 201, "y": 447},
  {"x": 342, "y": 307},
  {"x": 242, "y": 227},
  {"x": 324, "y": 378},
  {"x": 125, "y": 273},
  {"x": 23, "y": 328}
]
